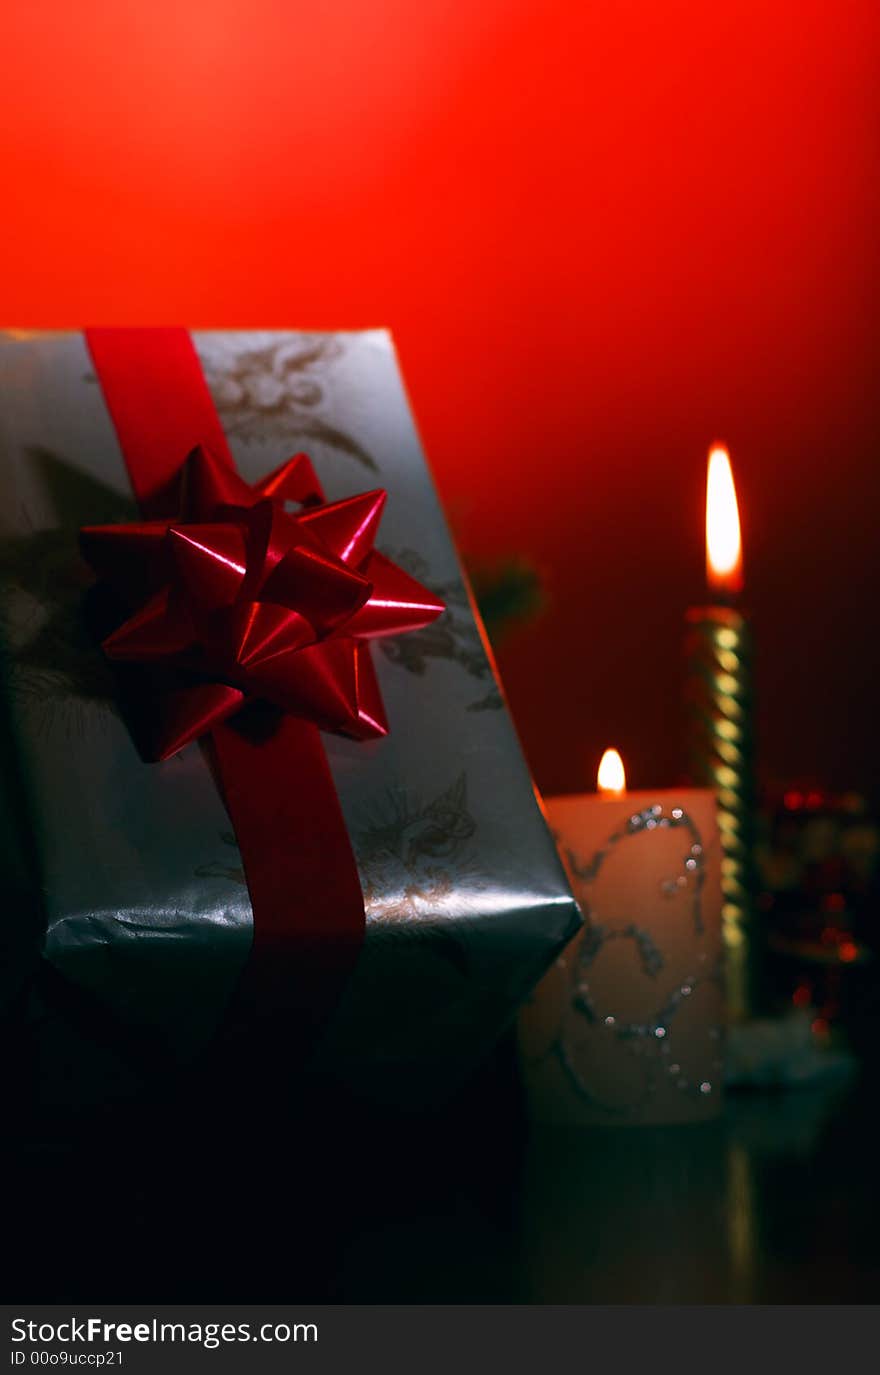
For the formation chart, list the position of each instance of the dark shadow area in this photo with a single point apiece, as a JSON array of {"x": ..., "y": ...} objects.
[
  {"x": 234, "y": 1193},
  {"x": 222, "y": 1194}
]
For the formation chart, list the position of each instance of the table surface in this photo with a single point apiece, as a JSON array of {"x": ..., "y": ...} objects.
[
  {"x": 779, "y": 1202},
  {"x": 775, "y": 1203}
]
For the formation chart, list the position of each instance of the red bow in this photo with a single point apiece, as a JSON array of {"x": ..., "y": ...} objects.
[{"x": 245, "y": 600}]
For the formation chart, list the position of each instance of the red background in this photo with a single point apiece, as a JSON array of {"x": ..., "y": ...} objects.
[{"x": 603, "y": 233}]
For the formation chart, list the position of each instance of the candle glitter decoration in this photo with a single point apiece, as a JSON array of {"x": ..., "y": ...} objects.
[{"x": 719, "y": 679}]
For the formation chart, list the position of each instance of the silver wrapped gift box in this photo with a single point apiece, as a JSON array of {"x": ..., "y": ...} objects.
[{"x": 126, "y": 883}]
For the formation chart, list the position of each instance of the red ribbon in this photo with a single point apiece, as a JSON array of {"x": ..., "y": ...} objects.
[{"x": 234, "y": 603}]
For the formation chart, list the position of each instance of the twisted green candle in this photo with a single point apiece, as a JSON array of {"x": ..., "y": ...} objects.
[{"x": 719, "y": 674}]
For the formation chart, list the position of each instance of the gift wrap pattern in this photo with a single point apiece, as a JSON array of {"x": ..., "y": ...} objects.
[{"x": 129, "y": 889}]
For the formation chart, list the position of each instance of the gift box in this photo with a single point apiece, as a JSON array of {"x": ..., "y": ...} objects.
[{"x": 132, "y": 921}]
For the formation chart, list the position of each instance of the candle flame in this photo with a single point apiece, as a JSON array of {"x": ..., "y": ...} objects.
[
  {"x": 611, "y": 778},
  {"x": 723, "y": 540}
]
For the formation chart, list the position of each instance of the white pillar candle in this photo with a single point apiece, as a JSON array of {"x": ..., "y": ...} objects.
[{"x": 627, "y": 1025}]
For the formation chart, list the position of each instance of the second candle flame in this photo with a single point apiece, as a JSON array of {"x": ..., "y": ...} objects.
[
  {"x": 611, "y": 778},
  {"x": 723, "y": 540}
]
